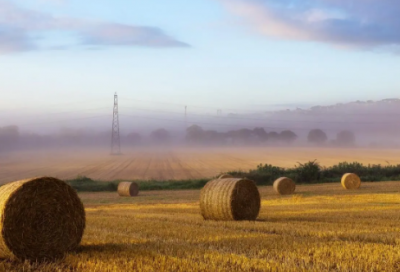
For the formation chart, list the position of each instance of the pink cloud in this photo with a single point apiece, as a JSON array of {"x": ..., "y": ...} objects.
[
  {"x": 28, "y": 23},
  {"x": 367, "y": 23}
]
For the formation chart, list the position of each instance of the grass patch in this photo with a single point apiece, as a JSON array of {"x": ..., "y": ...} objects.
[{"x": 85, "y": 184}]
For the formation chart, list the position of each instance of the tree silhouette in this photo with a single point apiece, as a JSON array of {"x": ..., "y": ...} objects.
[
  {"x": 195, "y": 134},
  {"x": 287, "y": 136},
  {"x": 317, "y": 136},
  {"x": 213, "y": 137},
  {"x": 273, "y": 136},
  {"x": 261, "y": 134},
  {"x": 243, "y": 134}
]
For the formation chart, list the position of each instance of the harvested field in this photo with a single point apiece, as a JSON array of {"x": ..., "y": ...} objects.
[
  {"x": 173, "y": 163},
  {"x": 319, "y": 228}
]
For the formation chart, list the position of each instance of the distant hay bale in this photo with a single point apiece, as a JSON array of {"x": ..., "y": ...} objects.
[
  {"x": 230, "y": 198},
  {"x": 284, "y": 186},
  {"x": 350, "y": 181},
  {"x": 40, "y": 219},
  {"x": 128, "y": 189}
]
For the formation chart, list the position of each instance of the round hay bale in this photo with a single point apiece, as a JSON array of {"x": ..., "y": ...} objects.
[
  {"x": 230, "y": 199},
  {"x": 128, "y": 189},
  {"x": 225, "y": 176},
  {"x": 350, "y": 181},
  {"x": 284, "y": 186},
  {"x": 40, "y": 219}
]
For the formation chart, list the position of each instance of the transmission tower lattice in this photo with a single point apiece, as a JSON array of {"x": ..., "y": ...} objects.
[{"x": 115, "y": 141}]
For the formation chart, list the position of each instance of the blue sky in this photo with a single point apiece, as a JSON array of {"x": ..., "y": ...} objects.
[{"x": 241, "y": 54}]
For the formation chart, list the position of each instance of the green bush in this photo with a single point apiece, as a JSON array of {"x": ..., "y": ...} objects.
[
  {"x": 85, "y": 184},
  {"x": 306, "y": 173},
  {"x": 312, "y": 172}
]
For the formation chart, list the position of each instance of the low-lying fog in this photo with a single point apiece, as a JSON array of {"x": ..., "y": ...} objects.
[{"x": 371, "y": 124}]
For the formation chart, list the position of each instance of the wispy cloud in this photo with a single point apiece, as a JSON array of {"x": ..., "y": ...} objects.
[
  {"x": 361, "y": 23},
  {"x": 13, "y": 39},
  {"x": 118, "y": 34},
  {"x": 20, "y": 29}
]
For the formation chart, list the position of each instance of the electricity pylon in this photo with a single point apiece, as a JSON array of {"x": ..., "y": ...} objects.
[{"x": 115, "y": 141}]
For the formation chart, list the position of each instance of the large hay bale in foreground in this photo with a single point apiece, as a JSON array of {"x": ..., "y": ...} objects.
[
  {"x": 40, "y": 219},
  {"x": 350, "y": 181},
  {"x": 228, "y": 198},
  {"x": 128, "y": 189},
  {"x": 284, "y": 186}
]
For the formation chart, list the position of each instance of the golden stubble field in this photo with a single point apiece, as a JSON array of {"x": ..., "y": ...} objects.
[
  {"x": 319, "y": 228},
  {"x": 173, "y": 163}
]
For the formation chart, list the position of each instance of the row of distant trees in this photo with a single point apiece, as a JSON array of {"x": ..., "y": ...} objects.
[
  {"x": 10, "y": 137},
  {"x": 319, "y": 137},
  {"x": 197, "y": 135}
]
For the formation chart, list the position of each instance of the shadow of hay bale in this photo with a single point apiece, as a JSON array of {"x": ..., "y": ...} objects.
[
  {"x": 101, "y": 248},
  {"x": 111, "y": 247}
]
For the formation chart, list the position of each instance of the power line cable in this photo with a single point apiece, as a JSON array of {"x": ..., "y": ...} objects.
[
  {"x": 34, "y": 115},
  {"x": 213, "y": 124},
  {"x": 188, "y": 105},
  {"x": 266, "y": 119},
  {"x": 246, "y": 110},
  {"x": 64, "y": 120},
  {"x": 61, "y": 104}
]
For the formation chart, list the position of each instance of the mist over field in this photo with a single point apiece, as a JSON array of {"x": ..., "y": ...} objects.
[{"x": 372, "y": 123}]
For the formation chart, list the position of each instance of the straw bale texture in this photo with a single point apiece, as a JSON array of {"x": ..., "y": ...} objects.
[
  {"x": 225, "y": 176},
  {"x": 41, "y": 219},
  {"x": 128, "y": 189},
  {"x": 230, "y": 199},
  {"x": 351, "y": 181},
  {"x": 284, "y": 186}
]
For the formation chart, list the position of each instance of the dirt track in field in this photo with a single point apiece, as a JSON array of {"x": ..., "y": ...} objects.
[{"x": 174, "y": 163}]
